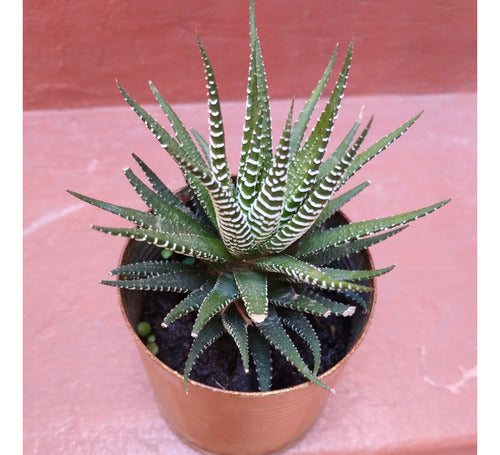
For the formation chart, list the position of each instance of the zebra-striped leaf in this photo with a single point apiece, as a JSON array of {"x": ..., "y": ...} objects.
[
  {"x": 302, "y": 272},
  {"x": 218, "y": 160},
  {"x": 198, "y": 192},
  {"x": 265, "y": 140},
  {"x": 265, "y": 212}
]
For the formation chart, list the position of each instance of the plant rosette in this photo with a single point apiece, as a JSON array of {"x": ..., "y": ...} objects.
[{"x": 262, "y": 259}]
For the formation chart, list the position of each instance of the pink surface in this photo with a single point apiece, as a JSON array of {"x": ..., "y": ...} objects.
[{"x": 410, "y": 388}]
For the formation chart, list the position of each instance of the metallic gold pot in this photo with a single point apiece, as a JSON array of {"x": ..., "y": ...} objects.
[{"x": 227, "y": 422}]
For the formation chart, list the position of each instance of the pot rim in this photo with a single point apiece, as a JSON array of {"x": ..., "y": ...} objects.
[{"x": 200, "y": 385}]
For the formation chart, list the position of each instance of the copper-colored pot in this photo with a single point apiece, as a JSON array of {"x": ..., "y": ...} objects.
[{"x": 229, "y": 422}]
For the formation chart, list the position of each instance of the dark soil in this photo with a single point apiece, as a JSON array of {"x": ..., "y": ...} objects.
[{"x": 220, "y": 365}]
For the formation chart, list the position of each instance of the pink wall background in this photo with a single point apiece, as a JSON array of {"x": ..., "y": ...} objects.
[{"x": 74, "y": 51}]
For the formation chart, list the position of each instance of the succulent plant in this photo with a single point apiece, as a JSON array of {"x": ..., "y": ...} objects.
[{"x": 262, "y": 253}]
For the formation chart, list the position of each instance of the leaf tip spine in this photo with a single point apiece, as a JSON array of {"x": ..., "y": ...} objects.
[
  {"x": 258, "y": 318},
  {"x": 360, "y": 116},
  {"x": 349, "y": 311}
]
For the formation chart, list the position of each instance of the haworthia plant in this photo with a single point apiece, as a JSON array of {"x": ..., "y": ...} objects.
[{"x": 264, "y": 254}]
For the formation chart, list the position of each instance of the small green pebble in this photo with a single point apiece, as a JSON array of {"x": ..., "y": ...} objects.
[
  {"x": 144, "y": 328},
  {"x": 189, "y": 261},
  {"x": 165, "y": 253},
  {"x": 151, "y": 339},
  {"x": 153, "y": 347}
]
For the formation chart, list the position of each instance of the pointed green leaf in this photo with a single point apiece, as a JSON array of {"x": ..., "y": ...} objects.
[
  {"x": 222, "y": 294},
  {"x": 357, "y": 299},
  {"x": 150, "y": 268},
  {"x": 340, "y": 151},
  {"x": 161, "y": 189},
  {"x": 261, "y": 356},
  {"x": 182, "y": 157},
  {"x": 192, "y": 302},
  {"x": 185, "y": 281},
  {"x": 303, "y": 304},
  {"x": 203, "y": 197},
  {"x": 319, "y": 241},
  {"x": 236, "y": 327},
  {"x": 334, "y": 307},
  {"x": 275, "y": 334},
  {"x": 334, "y": 205},
  {"x": 143, "y": 219},
  {"x": 354, "y": 275},
  {"x": 334, "y": 253},
  {"x": 174, "y": 218},
  {"x": 203, "y": 145},
  {"x": 299, "y": 323},
  {"x": 181, "y": 133},
  {"x": 360, "y": 160},
  {"x": 305, "y": 165},
  {"x": 265, "y": 141},
  {"x": 253, "y": 291},
  {"x": 301, "y": 124},
  {"x": 302, "y": 272},
  {"x": 210, "y": 333},
  {"x": 203, "y": 247},
  {"x": 200, "y": 213}
]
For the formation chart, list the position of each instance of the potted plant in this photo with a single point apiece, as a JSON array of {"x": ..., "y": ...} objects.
[{"x": 263, "y": 264}]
